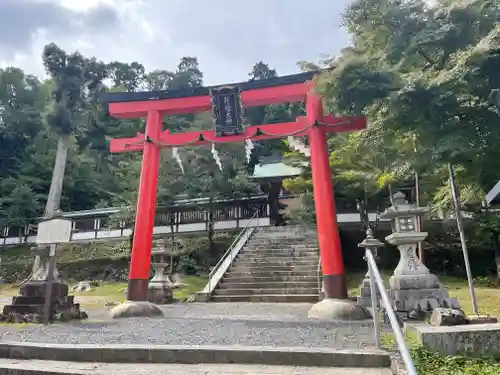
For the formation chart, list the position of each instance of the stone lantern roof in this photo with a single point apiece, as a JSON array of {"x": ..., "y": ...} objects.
[{"x": 401, "y": 207}]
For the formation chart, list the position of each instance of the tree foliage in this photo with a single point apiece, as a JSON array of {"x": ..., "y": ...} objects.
[{"x": 422, "y": 74}]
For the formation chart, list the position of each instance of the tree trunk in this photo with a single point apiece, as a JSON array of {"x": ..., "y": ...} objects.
[
  {"x": 391, "y": 194},
  {"x": 56, "y": 185},
  {"x": 131, "y": 239},
  {"x": 496, "y": 246}
]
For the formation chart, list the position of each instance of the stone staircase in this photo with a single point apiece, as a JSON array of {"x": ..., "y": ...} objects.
[{"x": 278, "y": 264}]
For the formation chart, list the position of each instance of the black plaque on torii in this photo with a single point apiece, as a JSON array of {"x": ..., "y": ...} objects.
[{"x": 227, "y": 110}]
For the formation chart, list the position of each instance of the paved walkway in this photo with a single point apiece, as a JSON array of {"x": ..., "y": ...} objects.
[
  {"x": 174, "y": 369},
  {"x": 247, "y": 324}
]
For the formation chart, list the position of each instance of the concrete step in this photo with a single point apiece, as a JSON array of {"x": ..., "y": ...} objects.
[
  {"x": 281, "y": 249},
  {"x": 249, "y": 262},
  {"x": 282, "y": 243},
  {"x": 248, "y": 278},
  {"x": 228, "y": 284},
  {"x": 281, "y": 298},
  {"x": 285, "y": 237},
  {"x": 40, "y": 367},
  {"x": 273, "y": 269},
  {"x": 277, "y": 259},
  {"x": 267, "y": 252},
  {"x": 291, "y": 232},
  {"x": 287, "y": 240},
  {"x": 259, "y": 274},
  {"x": 275, "y": 291},
  {"x": 291, "y": 250},
  {"x": 278, "y": 256},
  {"x": 284, "y": 240},
  {"x": 160, "y": 359}
]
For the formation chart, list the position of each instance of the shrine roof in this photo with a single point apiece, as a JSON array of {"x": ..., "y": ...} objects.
[
  {"x": 115, "y": 97},
  {"x": 275, "y": 170}
]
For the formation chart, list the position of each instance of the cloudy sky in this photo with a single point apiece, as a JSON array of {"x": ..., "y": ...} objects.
[{"x": 227, "y": 36}]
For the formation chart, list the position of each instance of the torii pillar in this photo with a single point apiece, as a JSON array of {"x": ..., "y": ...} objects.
[
  {"x": 315, "y": 125},
  {"x": 336, "y": 305}
]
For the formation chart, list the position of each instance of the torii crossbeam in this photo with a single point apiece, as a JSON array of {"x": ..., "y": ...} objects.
[{"x": 315, "y": 125}]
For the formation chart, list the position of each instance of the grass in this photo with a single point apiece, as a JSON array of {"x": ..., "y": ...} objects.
[
  {"x": 114, "y": 292},
  {"x": 488, "y": 298},
  {"x": 428, "y": 363},
  {"x": 110, "y": 293}
]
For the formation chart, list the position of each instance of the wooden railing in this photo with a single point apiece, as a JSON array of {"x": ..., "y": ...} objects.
[{"x": 185, "y": 216}]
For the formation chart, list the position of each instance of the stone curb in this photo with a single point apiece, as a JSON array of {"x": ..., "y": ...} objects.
[
  {"x": 307, "y": 357},
  {"x": 19, "y": 371}
]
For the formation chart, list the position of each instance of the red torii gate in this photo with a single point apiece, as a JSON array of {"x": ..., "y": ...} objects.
[{"x": 315, "y": 125}]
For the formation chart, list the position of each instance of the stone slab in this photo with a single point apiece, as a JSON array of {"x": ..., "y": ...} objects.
[
  {"x": 37, "y": 367},
  {"x": 419, "y": 294},
  {"x": 195, "y": 354},
  {"x": 366, "y": 301},
  {"x": 267, "y": 298},
  {"x": 447, "y": 317},
  {"x": 418, "y": 281},
  {"x": 366, "y": 291},
  {"x": 470, "y": 339},
  {"x": 482, "y": 319}
]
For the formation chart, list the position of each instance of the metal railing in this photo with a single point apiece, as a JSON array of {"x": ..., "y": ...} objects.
[
  {"x": 376, "y": 282},
  {"x": 230, "y": 249}
]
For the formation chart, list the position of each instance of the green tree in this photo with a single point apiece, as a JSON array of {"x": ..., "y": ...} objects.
[
  {"x": 427, "y": 72},
  {"x": 423, "y": 73},
  {"x": 75, "y": 78}
]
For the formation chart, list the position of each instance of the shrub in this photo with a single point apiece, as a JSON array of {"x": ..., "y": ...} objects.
[{"x": 428, "y": 363}]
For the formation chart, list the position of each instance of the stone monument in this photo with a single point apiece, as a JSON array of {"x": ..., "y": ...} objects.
[
  {"x": 370, "y": 242},
  {"x": 413, "y": 288},
  {"x": 29, "y": 305},
  {"x": 160, "y": 286}
]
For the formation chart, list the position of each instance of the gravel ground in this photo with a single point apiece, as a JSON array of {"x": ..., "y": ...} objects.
[{"x": 247, "y": 324}]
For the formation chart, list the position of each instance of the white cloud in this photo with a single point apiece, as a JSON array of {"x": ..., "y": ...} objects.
[
  {"x": 227, "y": 36},
  {"x": 84, "y": 5}
]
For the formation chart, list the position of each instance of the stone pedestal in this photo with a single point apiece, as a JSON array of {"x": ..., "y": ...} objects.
[
  {"x": 29, "y": 305},
  {"x": 364, "y": 298},
  {"x": 40, "y": 270},
  {"x": 160, "y": 286},
  {"x": 415, "y": 291},
  {"x": 413, "y": 287},
  {"x": 365, "y": 294}
]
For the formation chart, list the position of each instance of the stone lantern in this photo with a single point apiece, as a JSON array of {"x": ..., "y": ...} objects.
[
  {"x": 160, "y": 286},
  {"x": 413, "y": 287},
  {"x": 370, "y": 242}
]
